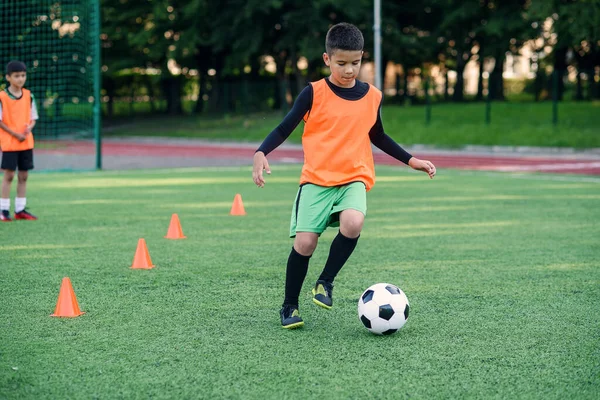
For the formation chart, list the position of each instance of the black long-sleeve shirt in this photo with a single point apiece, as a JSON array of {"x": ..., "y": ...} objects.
[{"x": 303, "y": 104}]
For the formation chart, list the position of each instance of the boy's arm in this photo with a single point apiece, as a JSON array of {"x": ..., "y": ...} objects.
[
  {"x": 385, "y": 143},
  {"x": 17, "y": 135},
  {"x": 302, "y": 105},
  {"x": 10, "y": 131},
  {"x": 30, "y": 126},
  {"x": 34, "y": 115}
]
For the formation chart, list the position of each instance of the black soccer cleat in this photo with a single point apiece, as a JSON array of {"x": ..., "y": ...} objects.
[
  {"x": 323, "y": 294},
  {"x": 5, "y": 216},
  {"x": 290, "y": 317}
]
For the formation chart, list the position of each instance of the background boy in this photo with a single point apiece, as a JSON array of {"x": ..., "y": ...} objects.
[
  {"x": 342, "y": 119},
  {"x": 18, "y": 115}
]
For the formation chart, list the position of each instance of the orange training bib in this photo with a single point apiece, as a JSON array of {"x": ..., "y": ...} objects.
[
  {"x": 16, "y": 114},
  {"x": 336, "y": 143}
]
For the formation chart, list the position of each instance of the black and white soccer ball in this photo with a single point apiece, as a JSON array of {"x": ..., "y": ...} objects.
[{"x": 383, "y": 308}]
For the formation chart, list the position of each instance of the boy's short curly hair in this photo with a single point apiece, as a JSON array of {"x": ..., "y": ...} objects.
[
  {"x": 15, "y": 66},
  {"x": 344, "y": 36}
]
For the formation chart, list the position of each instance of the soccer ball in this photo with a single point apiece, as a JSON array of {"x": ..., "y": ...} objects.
[{"x": 383, "y": 308}]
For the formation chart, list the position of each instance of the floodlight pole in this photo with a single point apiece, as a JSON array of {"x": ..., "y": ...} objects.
[
  {"x": 377, "y": 42},
  {"x": 97, "y": 111}
]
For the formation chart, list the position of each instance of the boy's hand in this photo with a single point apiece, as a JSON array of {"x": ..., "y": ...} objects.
[
  {"x": 260, "y": 163},
  {"x": 20, "y": 137},
  {"x": 28, "y": 129},
  {"x": 422, "y": 165}
]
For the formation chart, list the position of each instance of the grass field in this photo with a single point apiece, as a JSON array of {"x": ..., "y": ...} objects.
[
  {"x": 452, "y": 125},
  {"x": 501, "y": 272}
]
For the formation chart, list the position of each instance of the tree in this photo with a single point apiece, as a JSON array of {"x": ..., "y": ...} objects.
[
  {"x": 458, "y": 28},
  {"x": 407, "y": 37},
  {"x": 141, "y": 35},
  {"x": 574, "y": 29},
  {"x": 506, "y": 27}
]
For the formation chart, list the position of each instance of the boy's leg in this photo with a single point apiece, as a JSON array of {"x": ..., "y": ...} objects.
[
  {"x": 352, "y": 204},
  {"x": 351, "y": 223},
  {"x": 310, "y": 215},
  {"x": 305, "y": 244},
  {"x": 25, "y": 164},
  {"x": 6, "y": 183},
  {"x": 5, "y": 196},
  {"x": 10, "y": 160},
  {"x": 21, "y": 199},
  {"x": 297, "y": 267},
  {"x": 343, "y": 245}
]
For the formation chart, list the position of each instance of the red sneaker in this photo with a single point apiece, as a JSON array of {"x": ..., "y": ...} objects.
[
  {"x": 5, "y": 216},
  {"x": 25, "y": 215}
]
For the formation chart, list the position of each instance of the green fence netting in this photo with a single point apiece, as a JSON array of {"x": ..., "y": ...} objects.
[{"x": 58, "y": 40}]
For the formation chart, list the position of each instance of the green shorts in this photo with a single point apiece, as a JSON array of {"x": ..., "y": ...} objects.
[{"x": 317, "y": 207}]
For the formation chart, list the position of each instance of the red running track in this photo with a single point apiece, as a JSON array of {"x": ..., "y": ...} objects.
[{"x": 511, "y": 163}]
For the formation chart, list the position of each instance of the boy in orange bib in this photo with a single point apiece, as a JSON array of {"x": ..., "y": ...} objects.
[
  {"x": 18, "y": 114},
  {"x": 342, "y": 119}
]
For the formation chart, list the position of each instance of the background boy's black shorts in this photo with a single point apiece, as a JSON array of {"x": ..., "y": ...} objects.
[{"x": 12, "y": 160}]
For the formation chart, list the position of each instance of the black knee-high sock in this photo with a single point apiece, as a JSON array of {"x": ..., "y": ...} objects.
[
  {"x": 297, "y": 267},
  {"x": 339, "y": 252}
]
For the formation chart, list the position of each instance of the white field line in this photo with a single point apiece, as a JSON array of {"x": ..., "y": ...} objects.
[{"x": 540, "y": 167}]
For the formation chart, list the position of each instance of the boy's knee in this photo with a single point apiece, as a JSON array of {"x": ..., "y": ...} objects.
[
  {"x": 9, "y": 175},
  {"x": 351, "y": 230},
  {"x": 305, "y": 244},
  {"x": 351, "y": 223},
  {"x": 23, "y": 177}
]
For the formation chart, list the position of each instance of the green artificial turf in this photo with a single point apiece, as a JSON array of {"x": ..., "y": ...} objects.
[{"x": 501, "y": 272}]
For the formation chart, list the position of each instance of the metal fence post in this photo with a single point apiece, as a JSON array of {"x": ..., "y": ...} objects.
[
  {"x": 488, "y": 106},
  {"x": 555, "y": 97},
  {"x": 427, "y": 103}
]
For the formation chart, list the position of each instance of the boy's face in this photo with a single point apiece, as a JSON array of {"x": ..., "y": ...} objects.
[
  {"x": 344, "y": 65},
  {"x": 17, "y": 79}
]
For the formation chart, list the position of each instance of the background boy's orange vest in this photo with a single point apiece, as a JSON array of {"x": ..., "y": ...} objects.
[
  {"x": 336, "y": 143},
  {"x": 16, "y": 114}
]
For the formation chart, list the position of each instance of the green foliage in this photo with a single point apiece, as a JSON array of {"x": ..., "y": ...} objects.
[
  {"x": 573, "y": 21},
  {"x": 575, "y": 40},
  {"x": 224, "y": 40}
]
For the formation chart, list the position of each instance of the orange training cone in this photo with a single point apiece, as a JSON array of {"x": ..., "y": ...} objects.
[
  {"x": 175, "y": 231},
  {"x": 238, "y": 206},
  {"x": 142, "y": 257},
  {"x": 66, "y": 306}
]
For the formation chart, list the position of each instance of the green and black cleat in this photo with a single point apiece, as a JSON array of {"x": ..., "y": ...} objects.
[
  {"x": 290, "y": 317},
  {"x": 323, "y": 294}
]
